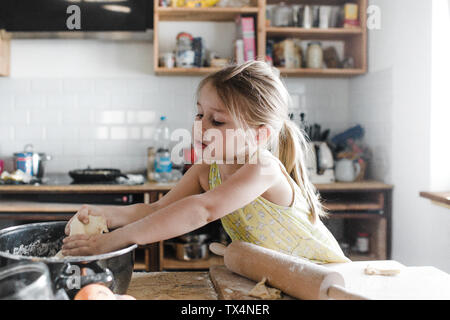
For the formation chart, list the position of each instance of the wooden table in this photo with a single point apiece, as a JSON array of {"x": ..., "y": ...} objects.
[{"x": 221, "y": 284}]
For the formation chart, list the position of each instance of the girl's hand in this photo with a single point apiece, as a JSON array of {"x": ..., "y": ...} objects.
[
  {"x": 83, "y": 216},
  {"x": 87, "y": 245}
]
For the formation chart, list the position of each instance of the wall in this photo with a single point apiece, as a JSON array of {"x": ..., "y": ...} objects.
[
  {"x": 96, "y": 102},
  {"x": 393, "y": 101}
]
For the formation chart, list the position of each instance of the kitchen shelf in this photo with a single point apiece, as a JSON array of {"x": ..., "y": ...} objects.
[
  {"x": 216, "y": 14},
  {"x": 170, "y": 263},
  {"x": 314, "y": 33},
  {"x": 202, "y": 14},
  {"x": 354, "y": 215},
  {"x": 185, "y": 71},
  {"x": 355, "y": 39},
  {"x": 5, "y": 53},
  {"x": 438, "y": 198},
  {"x": 335, "y": 72}
]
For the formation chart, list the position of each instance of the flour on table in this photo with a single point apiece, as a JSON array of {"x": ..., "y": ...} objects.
[
  {"x": 261, "y": 291},
  {"x": 96, "y": 225},
  {"x": 369, "y": 270}
]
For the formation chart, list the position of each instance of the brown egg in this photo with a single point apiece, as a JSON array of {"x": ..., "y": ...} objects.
[{"x": 95, "y": 291}]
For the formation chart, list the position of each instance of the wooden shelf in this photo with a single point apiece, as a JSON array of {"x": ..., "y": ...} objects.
[
  {"x": 31, "y": 206},
  {"x": 5, "y": 53},
  {"x": 365, "y": 185},
  {"x": 170, "y": 263},
  {"x": 354, "y": 215},
  {"x": 353, "y": 206},
  {"x": 355, "y": 38},
  {"x": 203, "y": 14},
  {"x": 314, "y": 33},
  {"x": 321, "y": 72},
  {"x": 185, "y": 71},
  {"x": 439, "y": 198}
]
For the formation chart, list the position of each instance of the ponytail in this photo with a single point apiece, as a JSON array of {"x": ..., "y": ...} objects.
[{"x": 292, "y": 152}]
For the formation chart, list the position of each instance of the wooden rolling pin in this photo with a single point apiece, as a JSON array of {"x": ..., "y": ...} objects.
[{"x": 297, "y": 277}]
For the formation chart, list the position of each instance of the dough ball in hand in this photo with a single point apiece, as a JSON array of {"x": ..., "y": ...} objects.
[{"x": 96, "y": 225}]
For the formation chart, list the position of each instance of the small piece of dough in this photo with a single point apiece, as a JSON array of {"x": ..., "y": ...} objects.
[
  {"x": 369, "y": 270},
  {"x": 261, "y": 291},
  {"x": 96, "y": 225}
]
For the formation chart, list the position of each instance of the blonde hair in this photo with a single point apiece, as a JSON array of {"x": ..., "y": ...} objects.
[{"x": 254, "y": 95}]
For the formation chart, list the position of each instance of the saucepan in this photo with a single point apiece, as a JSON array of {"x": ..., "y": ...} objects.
[
  {"x": 39, "y": 242},
  {"x": 31, "y": 162},
  {"x": 95, "y": 175}
]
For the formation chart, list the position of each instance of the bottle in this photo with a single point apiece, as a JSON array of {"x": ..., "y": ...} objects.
[
  {"x": 362, "y": 242},
  {"x": 151, "y": 156},
  {"x": 163, "y": 163}
]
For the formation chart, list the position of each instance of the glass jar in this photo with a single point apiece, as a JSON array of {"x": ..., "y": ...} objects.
[
  {"x": 314, "y": 55},
  {"x": 26, "y": 281},
  {"x": 362, "y": 242},
  {"x": 283, "y": 16}
]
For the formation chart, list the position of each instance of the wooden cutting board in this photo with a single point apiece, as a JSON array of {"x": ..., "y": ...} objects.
[
  {"x": 231, "y": 286},
  {"x": 171, "y": 286},
  {"x": 411, "y": 283}
]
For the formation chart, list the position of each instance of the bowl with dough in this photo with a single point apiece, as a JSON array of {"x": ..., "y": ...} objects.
[{"x": 40, "y": 242}]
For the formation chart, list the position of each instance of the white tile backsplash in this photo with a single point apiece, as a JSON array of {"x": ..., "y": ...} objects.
[{"x": 103, "y": 122}]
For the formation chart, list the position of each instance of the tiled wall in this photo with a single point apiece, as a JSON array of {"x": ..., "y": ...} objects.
[
  {"x": 110, "y": 122},
  {"x": 96, "y": 122},
  {"x": 89, "y": 102},
  {"x": 370, "y": 105}
]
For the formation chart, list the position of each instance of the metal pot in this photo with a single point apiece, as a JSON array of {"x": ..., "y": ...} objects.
[
  {"x": 190, "y": 251},
  {"x": 39, "y": 242},
  {"x": 31, "y": 162},
  {"x": 193, "y": 238}
]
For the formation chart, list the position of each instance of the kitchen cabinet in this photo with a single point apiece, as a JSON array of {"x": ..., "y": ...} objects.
[
  {"x": 5, "y": 53},
  {"x": 354, "y": 39},
  {"x": 359, "y": 206}
]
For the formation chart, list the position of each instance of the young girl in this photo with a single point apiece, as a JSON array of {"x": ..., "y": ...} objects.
[{"x": 265, "y": 199}]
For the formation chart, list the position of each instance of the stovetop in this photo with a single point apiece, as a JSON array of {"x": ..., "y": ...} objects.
[{"x": 60, "y": 179}]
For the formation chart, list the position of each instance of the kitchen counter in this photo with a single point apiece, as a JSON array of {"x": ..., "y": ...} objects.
[
  {"x": 439, "y": 198},
  {"x": 62, "y": 183}
]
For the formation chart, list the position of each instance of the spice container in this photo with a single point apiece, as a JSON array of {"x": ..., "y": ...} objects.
[
  {"x": 283, "y": 16},
  {"x": 314, "y": 55},
  {"x": 362, "y": 242}
]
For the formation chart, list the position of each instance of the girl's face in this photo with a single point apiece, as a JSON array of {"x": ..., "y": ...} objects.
[{"x": 216, "y": 135}]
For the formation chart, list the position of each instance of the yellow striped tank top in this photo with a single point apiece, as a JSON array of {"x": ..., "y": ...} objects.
[{"x": 280, "y": 228}]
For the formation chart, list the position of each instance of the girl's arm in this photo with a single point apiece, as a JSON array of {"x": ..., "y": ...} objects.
[
  {"x": 195, "y": 211},
  {"x": 184, "y": 215},
  {"x": 118, "y": 216}
]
